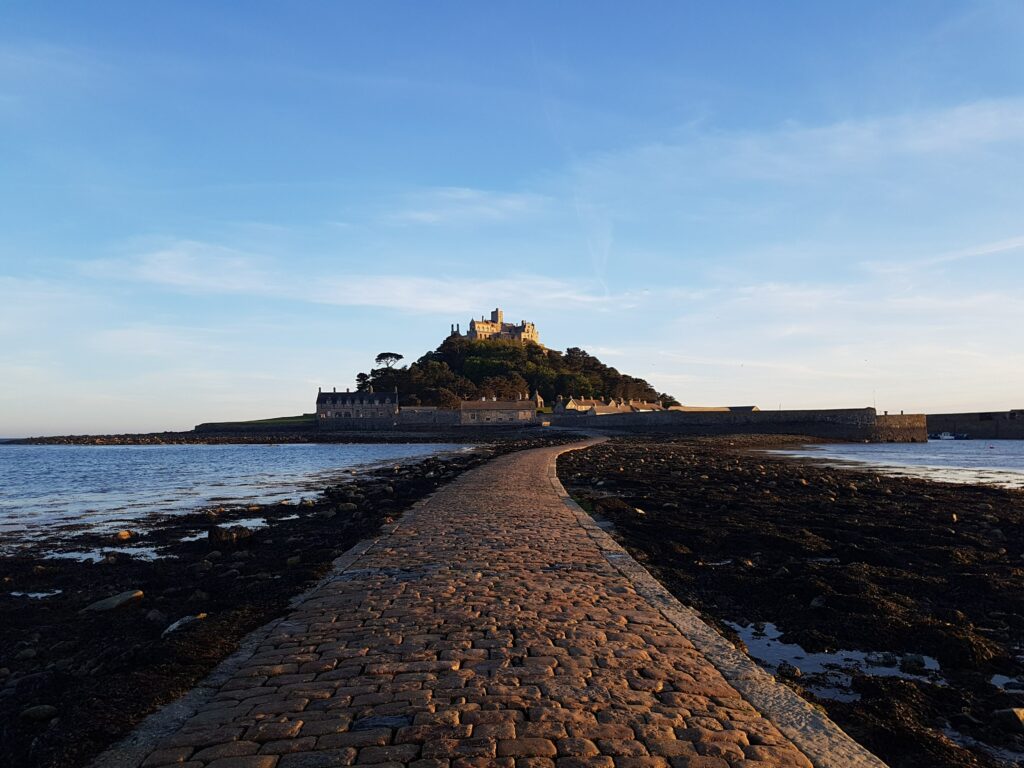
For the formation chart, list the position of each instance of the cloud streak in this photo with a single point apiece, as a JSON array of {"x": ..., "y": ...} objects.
[
  {"x": 200, "y": 268},
  {"x": 466, "y": 206}
]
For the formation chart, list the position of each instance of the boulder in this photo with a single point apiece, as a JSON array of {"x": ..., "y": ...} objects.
[
  {"x": 122, "y": 535},
  {"x": 1010, "y": 719},
  {"x": 116, "y": 601},
  {"x": 229, "y": 535},
  {"x": 40, "y": 713}
]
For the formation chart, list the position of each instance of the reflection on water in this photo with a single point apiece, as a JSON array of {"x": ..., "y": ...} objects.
[
  {"x": 60, "y": 489},
  {"x": 977, "y": 462}
]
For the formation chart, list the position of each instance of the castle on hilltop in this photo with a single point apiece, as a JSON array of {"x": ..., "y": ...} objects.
[{"x": 497, "y": 328}]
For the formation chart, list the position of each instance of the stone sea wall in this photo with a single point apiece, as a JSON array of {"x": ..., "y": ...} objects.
[
  {"x": 985, "y": 425},
  {"x": 835, "y": 424}
]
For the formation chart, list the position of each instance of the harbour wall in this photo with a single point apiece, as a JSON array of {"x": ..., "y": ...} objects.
[
  {"x": 981, "y": 425},
  {"x": 861, "y": 424}
]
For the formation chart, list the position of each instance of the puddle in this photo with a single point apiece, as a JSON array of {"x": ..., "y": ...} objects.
[
  {"x": 37, "y": 595},
  {"x": 98, "y": 555},
  {"x": 1007, "y": 683},
  {"x": 1005, "y": 757},
  {"x": 830, "y": 675},
  {"x": 250, "y": 522}
]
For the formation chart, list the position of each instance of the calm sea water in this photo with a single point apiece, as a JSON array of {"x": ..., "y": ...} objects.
[
  {"x": 46, "y": 487},
  {"x": 987, "y": 462}
]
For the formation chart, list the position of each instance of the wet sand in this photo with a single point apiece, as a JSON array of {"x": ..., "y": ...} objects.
[
  {"x": 73, "y": 682},
  {"x": 927, "y": 577}
]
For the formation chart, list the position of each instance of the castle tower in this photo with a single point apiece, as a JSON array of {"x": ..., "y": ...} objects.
[{"x": 497, "y": 316}]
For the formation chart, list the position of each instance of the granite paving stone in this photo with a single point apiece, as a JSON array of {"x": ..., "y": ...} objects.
[{"x": 488, "y": 627}]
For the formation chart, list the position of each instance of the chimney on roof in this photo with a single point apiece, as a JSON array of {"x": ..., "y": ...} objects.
[
  {"x": 318, "y": 390},
  {"x": 335, "y": 389}
]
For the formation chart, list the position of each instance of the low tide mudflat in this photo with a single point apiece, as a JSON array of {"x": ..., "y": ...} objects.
[{"x": 902, "y": 599}]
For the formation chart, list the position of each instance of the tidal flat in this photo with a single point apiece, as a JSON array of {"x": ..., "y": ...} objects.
[
  {"x": 902, "y": 599},
  {"x": 91, "y": 645}
]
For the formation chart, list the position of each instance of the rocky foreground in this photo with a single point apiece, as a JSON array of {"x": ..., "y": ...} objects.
[
  {"x": 839, "y": 559},
  {"x": 78, "y": 669}
]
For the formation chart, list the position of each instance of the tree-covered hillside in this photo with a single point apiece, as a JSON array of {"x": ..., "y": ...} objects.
[{"x": 461, "y": 369}]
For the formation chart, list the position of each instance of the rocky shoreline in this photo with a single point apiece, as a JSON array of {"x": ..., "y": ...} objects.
[
  {"x": 87, "y": 649},
  {"x": 903, "y": 599},
  {"x": 271, "y": 437}
]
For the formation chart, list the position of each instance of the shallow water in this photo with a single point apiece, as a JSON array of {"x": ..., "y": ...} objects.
[
  {"x": 829, "y": 675},
  {"x": 976, "y": 462},
  {"x": 45, "y": 489}
]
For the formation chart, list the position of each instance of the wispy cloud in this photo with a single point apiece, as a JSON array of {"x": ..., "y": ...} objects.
[
  {"x": 465, "y": 205},
  {"x": 200, "y": 268},
  {"x": 897, "y": 266},
  {"x": 700, "y": 160},
  {"x": 30, "y": 70}
]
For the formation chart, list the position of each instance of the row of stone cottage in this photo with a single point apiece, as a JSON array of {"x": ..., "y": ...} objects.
[{"x": 381, "y": 410}]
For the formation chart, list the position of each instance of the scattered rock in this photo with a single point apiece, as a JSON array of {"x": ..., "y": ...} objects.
[
  {"x": 116, "y": 601},
  {"x": 185, "y": 620},
  {"x": 294, "y": 560},
  {"x": 789, "y": 671},
  {"x": 229, "y": 535},
  {"x": 347, "y": 506},
  {"x": 25, "y": 654},
  {"x": 40, "y": 713},
  {"x": 157, "y": 617},
  {"x": 912, "y": 664},
  {"x": 122, "y": 535},
  {"x": 1010, "y": 719}
]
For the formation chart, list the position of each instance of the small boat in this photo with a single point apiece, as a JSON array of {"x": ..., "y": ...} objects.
[{"x": 949, "y": 436}]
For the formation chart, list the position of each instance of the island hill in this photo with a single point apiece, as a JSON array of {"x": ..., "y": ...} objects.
[
  {"x": 499, "y": 374},
  {"x": 495, "y": 374}
]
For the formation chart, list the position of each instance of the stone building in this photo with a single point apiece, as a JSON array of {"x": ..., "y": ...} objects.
[
  {"x": 356, "y": 410},
  {"x": 497, "y": 328},
  {"x": 597, "y": 407},
  {"x": 494, "y": 412},
  {"x": 576, "y": 404}
]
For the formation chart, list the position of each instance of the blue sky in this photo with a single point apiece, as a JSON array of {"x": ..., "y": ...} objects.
[{"x": 208, "y": 210}]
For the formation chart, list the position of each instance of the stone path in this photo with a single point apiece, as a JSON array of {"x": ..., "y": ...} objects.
[{"x": 491, "y": 626}]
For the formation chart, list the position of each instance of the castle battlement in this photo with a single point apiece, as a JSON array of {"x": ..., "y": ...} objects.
[{"x": 497, "y": 328}]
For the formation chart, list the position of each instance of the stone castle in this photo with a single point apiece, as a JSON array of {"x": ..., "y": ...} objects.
[{"x": 497, "y": 328}]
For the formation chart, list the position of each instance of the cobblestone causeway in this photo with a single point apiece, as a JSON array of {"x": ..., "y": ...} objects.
[{"x": 486, "y": 628}]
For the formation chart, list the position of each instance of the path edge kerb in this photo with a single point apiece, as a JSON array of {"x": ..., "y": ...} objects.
[{"x": 824, "y": 743}]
